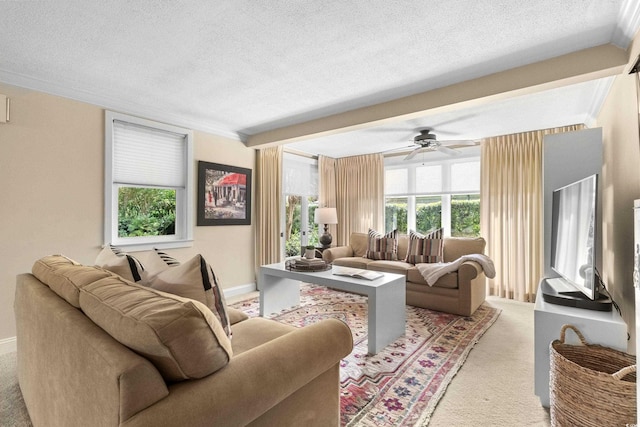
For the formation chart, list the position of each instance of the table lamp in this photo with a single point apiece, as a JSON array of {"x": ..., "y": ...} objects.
[{"x": 326, "y": 216}]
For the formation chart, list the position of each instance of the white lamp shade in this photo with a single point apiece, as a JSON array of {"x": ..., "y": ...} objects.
[{"x": 326, "y": 216}]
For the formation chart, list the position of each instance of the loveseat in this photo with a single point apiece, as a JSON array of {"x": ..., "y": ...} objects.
[
  {"x": 459, "y": 292},
  {"x": 72, "y": 371}
]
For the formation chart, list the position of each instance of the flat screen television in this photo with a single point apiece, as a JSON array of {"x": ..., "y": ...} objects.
[{"x": 573, "y": 237}]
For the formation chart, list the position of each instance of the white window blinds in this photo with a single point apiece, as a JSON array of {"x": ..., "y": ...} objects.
[
  {"x": 148, "y": 156},
  {"x": 300, "y": 175}
]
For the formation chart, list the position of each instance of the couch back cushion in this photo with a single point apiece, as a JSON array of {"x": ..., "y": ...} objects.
[
  {"x": 455, "y": 247},
  {"x": 66, "y": 277},
  {"x": 180, "y": 336},
  {"x": 358, "y": 242}
]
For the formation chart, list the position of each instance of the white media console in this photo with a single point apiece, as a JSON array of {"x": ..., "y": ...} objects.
[{"x": 598, "y": 327}]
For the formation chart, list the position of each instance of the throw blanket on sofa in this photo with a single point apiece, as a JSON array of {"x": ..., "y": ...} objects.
[{"x": 433, "y": 271}]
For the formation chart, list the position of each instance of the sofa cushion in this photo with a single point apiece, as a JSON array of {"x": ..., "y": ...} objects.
[
  {"x": 180, "y": 336},
  {"x": 257, "y": 331},
  {"x": 455, "y": 247},
  {"x": 398, "y": 267},
  {"x": 382, "y": 246},
  {"x": 355, "y": 262},
  {"x": 120, "y": 263},
  {"x": 65, "y": 276},
  {"x": 236, "y": 316},
  {"x": 193, "y": 279},
  {"x": 449, "y": 280},
  {"x": 425, "y": 248}
]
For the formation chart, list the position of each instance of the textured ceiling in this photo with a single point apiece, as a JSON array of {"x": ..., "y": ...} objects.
[{"x": 240, "y": 67}]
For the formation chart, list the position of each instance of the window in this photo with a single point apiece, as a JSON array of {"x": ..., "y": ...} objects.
[
  {"x": 148, "y": 183},
  {"x": 424, "y": 196},
  {"x": 300, "y": 191}
]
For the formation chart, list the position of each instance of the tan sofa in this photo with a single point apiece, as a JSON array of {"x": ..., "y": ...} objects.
[
  {"x": 460, "y": 292},
  {"x": 72, "y": 372}
]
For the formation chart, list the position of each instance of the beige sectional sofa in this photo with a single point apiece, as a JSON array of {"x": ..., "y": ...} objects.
[
  {"x": 74, "y": 372},
  {"x": 460, "y": 292}
]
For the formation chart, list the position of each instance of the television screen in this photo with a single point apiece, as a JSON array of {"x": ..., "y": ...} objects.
[{"x": 573, "y": 232}]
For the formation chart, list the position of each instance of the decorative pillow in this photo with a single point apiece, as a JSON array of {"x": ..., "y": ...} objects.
[
  {"x": 193, "y": 279},
  {"x": 156, "y": 263},
  {"x": 180, "y": 336},
  {"x": 123, "y": 264},
  {"x": 382, "y": 246},
  {"x": 427, "y": 248}
]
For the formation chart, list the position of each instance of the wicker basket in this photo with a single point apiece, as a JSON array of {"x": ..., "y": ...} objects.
[{"x": 591, "y": 385}]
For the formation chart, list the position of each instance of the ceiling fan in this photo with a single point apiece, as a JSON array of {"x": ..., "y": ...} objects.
[{"x": 427, "y": 141}]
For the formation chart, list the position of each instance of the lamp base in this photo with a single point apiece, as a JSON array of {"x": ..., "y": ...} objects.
[{"x": 325, "y": 239}]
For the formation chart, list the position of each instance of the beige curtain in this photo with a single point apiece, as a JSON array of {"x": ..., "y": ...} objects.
[
  {"x": 327, "y": 188},
  {"x": 359, "y": 195},
  {"x": 511, "y": 211},
  {"x": 268, "y": 199}
]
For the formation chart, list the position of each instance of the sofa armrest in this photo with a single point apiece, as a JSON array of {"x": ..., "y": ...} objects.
[
  {"x": 338, "y": 252},
  {"x": 472, "y": 287},
  {"x": 469, "y": 270},
  {"x": 254, "y": 381}
]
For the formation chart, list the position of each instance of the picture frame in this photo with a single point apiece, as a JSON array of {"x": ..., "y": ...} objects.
[{"x": 224, "y": 194}]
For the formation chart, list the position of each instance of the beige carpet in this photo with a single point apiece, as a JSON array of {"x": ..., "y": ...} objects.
[
  {"x": 493, "y": 388},
  {"x": 495, "y": 385}
]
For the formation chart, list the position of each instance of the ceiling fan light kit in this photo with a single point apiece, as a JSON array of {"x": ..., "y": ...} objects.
[{"x": 427, "y": 141}]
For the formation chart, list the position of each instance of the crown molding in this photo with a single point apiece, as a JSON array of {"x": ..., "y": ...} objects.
[
  {"x": 628, "y": 23},
  {"x": 108, "y": 103},
  {"x": 599, "y": 96}
]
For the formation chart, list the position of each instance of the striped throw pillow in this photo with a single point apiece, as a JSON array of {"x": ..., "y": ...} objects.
[
  {"x": 427, "y": 248},
  {"x": 382, "y": 246},
  {"x": 116, "y": 261}
]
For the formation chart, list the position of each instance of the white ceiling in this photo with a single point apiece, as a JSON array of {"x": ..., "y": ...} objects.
[{"x": 240, "y": 67}]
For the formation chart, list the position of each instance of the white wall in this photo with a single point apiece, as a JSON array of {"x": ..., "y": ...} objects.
[{"x": 52, "y": 173}]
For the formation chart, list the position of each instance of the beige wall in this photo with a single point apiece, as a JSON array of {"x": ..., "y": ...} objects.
[
  {"x": 621, "y": 185},
  {"x": 52, "y": 174}
]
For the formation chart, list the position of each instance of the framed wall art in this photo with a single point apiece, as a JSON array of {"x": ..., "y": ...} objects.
[{"x": 224, "y": 194}]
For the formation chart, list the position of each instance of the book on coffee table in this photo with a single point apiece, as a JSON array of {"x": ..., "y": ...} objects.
[{"x": 356, "y": 272}]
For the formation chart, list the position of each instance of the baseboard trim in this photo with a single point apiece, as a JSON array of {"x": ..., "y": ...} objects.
[
  {"x": 239, "y": 290},
  {"x": 8, "y": 345}
]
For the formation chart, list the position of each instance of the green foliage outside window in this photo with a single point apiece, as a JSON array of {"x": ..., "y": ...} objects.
[
  {"x": 465, "y": 216},
  {"x": 428, "y": 217},
  {"x": 292, "y": 227},
  {"x": 396, "y": 215},
  {"x": 146, "y": 212}
]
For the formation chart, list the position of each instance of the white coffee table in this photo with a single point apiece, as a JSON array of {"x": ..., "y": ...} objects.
[{"x": 280, "y": 289}]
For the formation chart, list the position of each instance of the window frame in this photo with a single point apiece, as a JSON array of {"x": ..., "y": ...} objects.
[
  {"x": 445, "y": 193},
  {"x": 183, "y": 236}
]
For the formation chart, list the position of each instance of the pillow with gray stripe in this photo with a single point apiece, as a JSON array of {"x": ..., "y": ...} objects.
[
  {"x": 425, "y": 248},
  {"x": 382, "y": 246}
]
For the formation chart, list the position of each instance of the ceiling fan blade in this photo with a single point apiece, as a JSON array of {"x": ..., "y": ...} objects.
[
  {"x": 413, "y": 153},
  {"x": 448, "y": 151},
  {"x": 465, "y": 142},
  {"x": 397, "y": 149}
]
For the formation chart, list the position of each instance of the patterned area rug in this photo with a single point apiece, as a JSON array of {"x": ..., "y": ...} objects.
[{"x": 402, "y": 384}]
